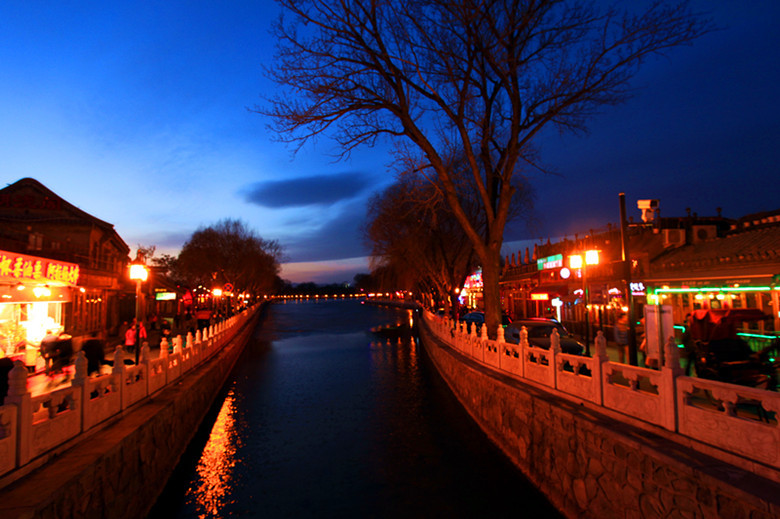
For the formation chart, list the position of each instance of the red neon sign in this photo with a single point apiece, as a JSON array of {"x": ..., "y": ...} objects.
[{"x": 22, "y": 268}]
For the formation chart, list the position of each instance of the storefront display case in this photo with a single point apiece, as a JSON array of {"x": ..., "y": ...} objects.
[{"x": 34, "y": 293}]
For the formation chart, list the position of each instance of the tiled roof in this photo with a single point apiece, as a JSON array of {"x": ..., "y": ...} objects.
[{"x": 755, "y": 246}]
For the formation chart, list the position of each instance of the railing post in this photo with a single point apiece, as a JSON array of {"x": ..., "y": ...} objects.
[
  {"x": 500, "y": 334},
  {"x": 598, "y": 365},
  {"x": 80, "y": 366},
  {"x": 22, "y": 399},
  {"x": 555, "y": 350},
  {"x": 80, "y": 381},
  {"x": 144, "y": 352},
  {"x": 119, "y": 373},
  {"x": 146, "y": 360},
  {"x": 669, "y": 373},
  {"x": 523, "y": 346}
]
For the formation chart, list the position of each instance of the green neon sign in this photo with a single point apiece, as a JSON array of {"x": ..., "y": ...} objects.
[
  {"x": 550, "y": 262},
  {"x": 714, "y": 289}
]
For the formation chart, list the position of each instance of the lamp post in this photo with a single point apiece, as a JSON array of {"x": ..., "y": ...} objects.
[
  {"x": 217, "y": 293},
  {"x": 576, "y": 261},
  {"x": 139, "y": 274}
]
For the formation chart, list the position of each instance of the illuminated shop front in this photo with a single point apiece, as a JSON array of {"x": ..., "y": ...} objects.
[
  {"x": 684, "y": 298},
  {"x": 471, "y": 293},
  {"x": 33, "y": 291}
]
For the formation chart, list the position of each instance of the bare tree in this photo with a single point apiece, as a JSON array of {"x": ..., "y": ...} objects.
[
  {"x": 412, "y": 233},
  {"x": 230, "y": 252},
  {"x": 481, "y": 76},
  {"x": 145, "y": 253}
]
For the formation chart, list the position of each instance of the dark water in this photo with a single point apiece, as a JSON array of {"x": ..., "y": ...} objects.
[{"x": 322, "y": 418}]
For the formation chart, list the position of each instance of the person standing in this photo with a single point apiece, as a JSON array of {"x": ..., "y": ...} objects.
[
  {"x": 687, "y": 340},
  {"x": 142, "y": 332},
  {"x": 94, "y": 351},
  {"x": 621, "y": 337},
  {"x": 49, "y": 349},
  {"x": 130, "y": 338}
]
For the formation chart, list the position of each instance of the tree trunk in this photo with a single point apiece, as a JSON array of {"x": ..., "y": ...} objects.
[{"x": 491, "y": 294}]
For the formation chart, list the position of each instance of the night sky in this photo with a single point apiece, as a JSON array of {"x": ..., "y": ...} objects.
[{"x": 137, "y": 112}]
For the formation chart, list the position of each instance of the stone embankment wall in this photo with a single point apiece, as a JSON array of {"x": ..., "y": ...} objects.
[
  {"x": 120, "y": 470},
  {"x": 592, "y": 465}
]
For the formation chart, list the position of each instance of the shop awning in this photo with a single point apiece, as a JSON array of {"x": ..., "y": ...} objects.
[{"x": 37, "y": 294}]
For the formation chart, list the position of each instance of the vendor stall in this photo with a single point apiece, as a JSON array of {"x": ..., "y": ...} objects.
[{"x": 33, "y": 293}]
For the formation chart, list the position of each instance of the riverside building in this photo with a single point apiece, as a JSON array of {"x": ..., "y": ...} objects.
[
  {"x": 688, "y": 263},
  {"x": 60, "y": 268}
]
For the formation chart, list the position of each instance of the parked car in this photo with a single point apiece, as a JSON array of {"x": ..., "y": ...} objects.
[{"x": 539, "y": 331}]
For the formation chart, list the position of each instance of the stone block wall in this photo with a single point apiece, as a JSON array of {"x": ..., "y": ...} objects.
[{"x": 592, "y": 465}]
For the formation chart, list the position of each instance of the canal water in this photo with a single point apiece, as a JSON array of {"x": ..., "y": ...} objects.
[{"x": 324, "y": 418}]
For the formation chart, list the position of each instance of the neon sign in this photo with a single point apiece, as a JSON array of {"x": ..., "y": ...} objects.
[
  {"x": 165, "y": 296},
  {"x": 22, "y": 268},
  {"x": 550, "y": 262},
  {"x": 474, "y": 281}
]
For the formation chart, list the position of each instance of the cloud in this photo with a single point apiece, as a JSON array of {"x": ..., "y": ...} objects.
[
  {"x": 338, "y": 237},
  {"x": 323, "y": 190}
]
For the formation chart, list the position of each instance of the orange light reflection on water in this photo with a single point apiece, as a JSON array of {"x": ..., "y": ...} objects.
[{"x": 216, "y": 467}]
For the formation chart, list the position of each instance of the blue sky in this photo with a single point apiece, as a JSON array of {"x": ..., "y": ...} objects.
[{"x": 137, "y": 112}]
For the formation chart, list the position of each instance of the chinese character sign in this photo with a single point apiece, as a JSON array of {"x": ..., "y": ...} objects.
[{"x": 22, "y": 268}]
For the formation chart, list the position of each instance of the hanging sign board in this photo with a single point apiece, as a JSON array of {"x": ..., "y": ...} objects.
[
  {"x": 21, "y": 268},
  {"x": 550, "y": 262}
]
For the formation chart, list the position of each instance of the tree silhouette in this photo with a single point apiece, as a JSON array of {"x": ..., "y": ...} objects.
[
  {"x": 229, "y": 252},
  {"x": 478, "y": 76}
]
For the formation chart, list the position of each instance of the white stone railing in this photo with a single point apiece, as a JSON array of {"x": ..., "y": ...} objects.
[
  {"x": 731, "y": 418},
  {"x": 717, "y": 422},
  {"x": 31, "y": 426}
]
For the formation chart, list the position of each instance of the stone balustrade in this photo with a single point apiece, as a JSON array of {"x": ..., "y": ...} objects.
[
  {"x": 32, "y": 426},
  {"x": 734, "y": 420}
]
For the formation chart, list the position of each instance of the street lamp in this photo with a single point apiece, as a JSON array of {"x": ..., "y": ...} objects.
[
  {"x": 139, "y": 274},
  {"x": 576, "y": 261},
  {"x": 217, "y": 293}
]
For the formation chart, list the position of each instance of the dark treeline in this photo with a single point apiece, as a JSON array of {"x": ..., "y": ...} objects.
[{"x": 361, "y": 284}]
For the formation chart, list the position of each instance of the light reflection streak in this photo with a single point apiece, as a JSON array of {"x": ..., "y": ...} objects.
[{"x": 216, "y": 467}]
